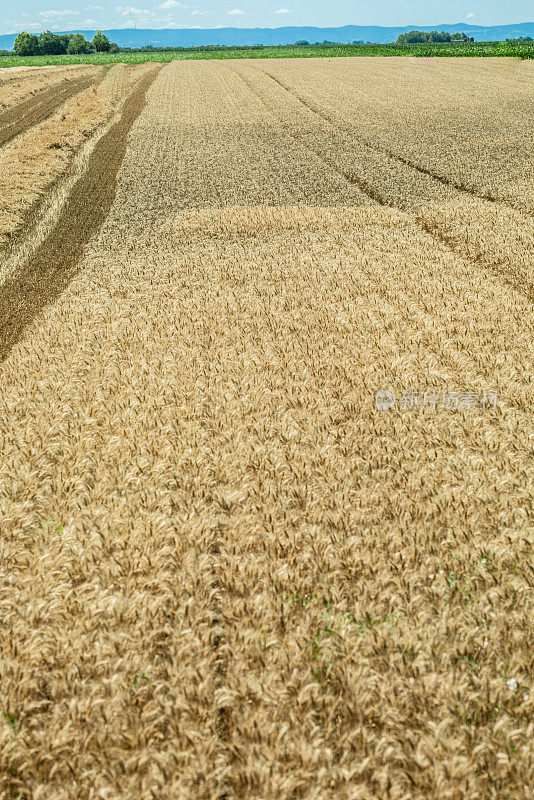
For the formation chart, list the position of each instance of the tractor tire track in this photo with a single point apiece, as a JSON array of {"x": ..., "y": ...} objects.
[
  {"x": 516, "y": 282},
  {"x": 495, "y": 268},
  {"x": 359, "y": 183},
  {"x": 459, "y": 187},
  {"x": 55, "y": 262},
  {"x": 36, "y": 109}
]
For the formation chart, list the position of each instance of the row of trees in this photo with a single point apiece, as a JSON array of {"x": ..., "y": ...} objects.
[
  {"x": 150, "y": 48},
  {"x": 304, "y": 42},
  {"x": 54, "y": 44},
  {"x": 415, "y": 37}
]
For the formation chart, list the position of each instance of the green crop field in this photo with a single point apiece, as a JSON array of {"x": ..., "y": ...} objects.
[{"x": 474, "y": 49}]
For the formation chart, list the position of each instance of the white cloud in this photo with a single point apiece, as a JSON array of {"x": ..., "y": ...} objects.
[
  {"x": 283, "y": 11},
  {"x": 198, "y": 13},
  {"x": 172, "y": 4},
  {"x": 471, "y": 15},
  {"x": 52, "y": 13},
  {"x": 235, "y": 12},
  {"x": 128, "y": 11}
]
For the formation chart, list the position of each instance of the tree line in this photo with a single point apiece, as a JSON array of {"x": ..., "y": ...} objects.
[
  {"x": 55, "y": 44},
  {"x": 417, "y": 37}
]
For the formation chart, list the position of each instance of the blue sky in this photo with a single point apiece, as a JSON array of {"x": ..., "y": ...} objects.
[{"x": 32, "y": 15}]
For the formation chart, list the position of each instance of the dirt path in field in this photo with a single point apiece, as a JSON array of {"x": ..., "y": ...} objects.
[
  {"x": 51, "y": 268},
  {"x": 31, "y": 112}
]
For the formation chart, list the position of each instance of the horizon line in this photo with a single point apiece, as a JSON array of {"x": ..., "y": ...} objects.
[{"x": 281, "y": 27}]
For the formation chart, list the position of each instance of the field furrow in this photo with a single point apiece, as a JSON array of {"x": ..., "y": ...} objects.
[{"x": 226, "y": 570}]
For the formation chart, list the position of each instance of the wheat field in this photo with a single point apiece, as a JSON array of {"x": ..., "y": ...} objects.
[{"x": 266, "y": 425}]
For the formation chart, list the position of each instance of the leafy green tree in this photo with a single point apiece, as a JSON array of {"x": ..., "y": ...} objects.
[
  {"x": 101, "y": 42},
  {"x": 113, "y": 47},
  {"x": 65, "y": 38},
  {"x": 416, "y": 37},
  {"x": 26, "y": 44},
  {"x": 78, "y": 45},
  {"x": 50, "y": 44}
]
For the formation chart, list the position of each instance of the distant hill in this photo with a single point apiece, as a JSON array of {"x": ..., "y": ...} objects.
[{"x": 191, "y": 37}]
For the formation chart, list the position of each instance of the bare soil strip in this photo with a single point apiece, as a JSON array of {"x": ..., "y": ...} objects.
[
  {"x": 35, "y": 110},
  {"x": 52, "y": 266}
]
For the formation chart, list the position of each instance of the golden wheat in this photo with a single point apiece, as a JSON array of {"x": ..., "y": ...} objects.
[
  {"x": 225, "y": 572},
  {"x": 464, "y": 121}
]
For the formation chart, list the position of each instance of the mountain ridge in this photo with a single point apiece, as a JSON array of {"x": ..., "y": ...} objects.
[{"x": 194, "y": 37}]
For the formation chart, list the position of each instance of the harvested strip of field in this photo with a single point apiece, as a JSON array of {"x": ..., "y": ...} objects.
[
  {"x": 19, "y": 84},
  {"x": 53, "y": 264},
  {"x": 39, "y": 157},
  {"x": 38, "y": 108},
  {"x": 225, "y": 572}
]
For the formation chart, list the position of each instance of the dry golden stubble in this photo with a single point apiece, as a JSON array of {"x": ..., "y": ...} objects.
[
  {"x": 28, "y": 113},
  {"x": 36, "y": 282},
  {"x": 34, "y": 161},
  {"x": 17, "y": 86}
]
